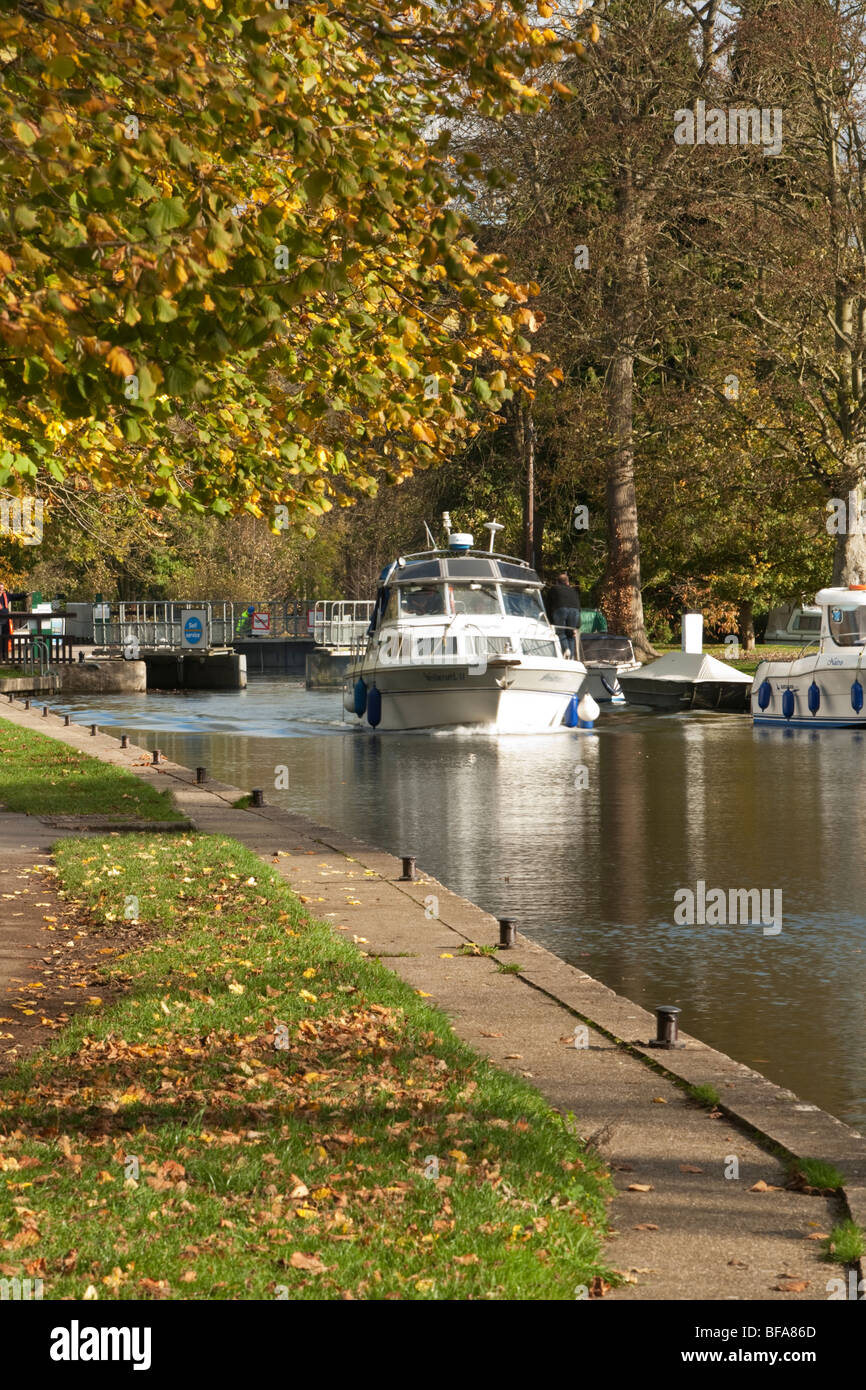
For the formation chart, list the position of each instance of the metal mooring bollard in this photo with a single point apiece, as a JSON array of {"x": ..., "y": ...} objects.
[
  {"x": 45, "y": 711},
  {"x": 10, "y": 698},
  {"x": 124, "y": 740},
  {"x": 667, "y": 1029},
  {"x": 94, "y": 730},
  {"x": 155, "y": 757},
  {"x": 26, "y": 704},
  {"x": 408, "y": 875},
  {"x": 201, "y": 775},
  {"x": 507, "y": 933},
  {"x": 66, "y": 720},
  {"x": 258, "y": 797}
]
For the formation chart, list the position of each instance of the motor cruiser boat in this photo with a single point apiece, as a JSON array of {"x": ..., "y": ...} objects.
[
  {"x": 822, "y": 687},
  {"x": 459, "y": 637}
]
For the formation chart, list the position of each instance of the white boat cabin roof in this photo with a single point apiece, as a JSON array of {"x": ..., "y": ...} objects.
[
  {"x": 473, "y": 566},
  {"x": 841, "y": 598}
]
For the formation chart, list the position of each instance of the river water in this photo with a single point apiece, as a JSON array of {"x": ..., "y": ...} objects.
[{"x": 586, "y": 837}]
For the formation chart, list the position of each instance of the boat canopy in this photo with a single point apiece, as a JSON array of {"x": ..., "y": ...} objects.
[{"x": 692, "y": 666}]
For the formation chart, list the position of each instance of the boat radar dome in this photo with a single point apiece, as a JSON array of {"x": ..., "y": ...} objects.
[{"x": 460, "y": 542}]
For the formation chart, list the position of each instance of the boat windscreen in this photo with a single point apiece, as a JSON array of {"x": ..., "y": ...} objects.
[
  {"x": 605, "y": 646},
  {"x": 422, "y": 600},
  {"x": 848, "y": 626},
  {"x": 522, "y": 603},
  {"x": 475, "y": 598}
]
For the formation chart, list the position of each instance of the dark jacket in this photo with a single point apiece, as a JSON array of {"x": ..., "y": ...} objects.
[{"x": 562, "y": 596}]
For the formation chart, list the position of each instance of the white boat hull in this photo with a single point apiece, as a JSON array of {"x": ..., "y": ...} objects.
[
  {"x": 507, "y": 697},
  {"x": 834, "y": 682}
]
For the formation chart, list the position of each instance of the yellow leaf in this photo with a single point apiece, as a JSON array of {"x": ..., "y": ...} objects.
[{"x": 120, "y": 362}]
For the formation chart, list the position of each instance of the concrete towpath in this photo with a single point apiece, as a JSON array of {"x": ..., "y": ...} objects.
[{"x": 701, "y": 1211}]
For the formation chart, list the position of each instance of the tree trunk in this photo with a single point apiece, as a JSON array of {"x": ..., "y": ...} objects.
[
  {"x": 849, "y": 558},
  {"x": 525, "y": 434},
  {"x": 621, "y": 594},
  {"x": 746, "y": 626}
]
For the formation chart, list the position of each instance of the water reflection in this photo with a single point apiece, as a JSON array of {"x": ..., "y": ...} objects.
[{"x": 591, "y": 870}]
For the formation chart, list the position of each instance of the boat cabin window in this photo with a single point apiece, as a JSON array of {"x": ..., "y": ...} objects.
[
  {"x": 522, "y": 603},
  {"x": 848, "y": 626},
  {"x": 474, "y": 598},
  {"x": 422, "y": 600}
]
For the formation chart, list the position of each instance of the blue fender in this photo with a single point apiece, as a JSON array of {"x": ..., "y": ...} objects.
[
  {"x": 787, "y": 703},
  {"x": 765, "y": 694},
  {"x": 374, "y": 707},
  {"x": 360, "y": 697}
]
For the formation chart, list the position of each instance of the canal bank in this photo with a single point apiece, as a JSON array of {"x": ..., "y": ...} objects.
[{"x": 703, "y": 1211}]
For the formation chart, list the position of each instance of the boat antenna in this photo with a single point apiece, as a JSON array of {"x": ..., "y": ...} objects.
[
  {"x": 446, "y": 522},
  {"x": 493, "y": 527},
  {"x": 431, "y": 539}
]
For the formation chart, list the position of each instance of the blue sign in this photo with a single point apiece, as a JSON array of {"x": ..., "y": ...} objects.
[{"x": 193, "y": 630}]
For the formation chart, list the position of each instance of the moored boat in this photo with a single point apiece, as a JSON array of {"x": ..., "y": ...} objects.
[
  {"x": 606, "y": 657},
  {"x": 688, "y": 680},
  {"x": 823, "y": 687}
]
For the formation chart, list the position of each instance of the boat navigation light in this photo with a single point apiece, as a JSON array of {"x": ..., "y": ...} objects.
[
  {"x": 493, "y": 527},
  {"x": 446, "y": 522}
]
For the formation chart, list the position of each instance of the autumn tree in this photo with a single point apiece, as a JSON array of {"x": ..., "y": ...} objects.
[{"x": 234, "y": 270}]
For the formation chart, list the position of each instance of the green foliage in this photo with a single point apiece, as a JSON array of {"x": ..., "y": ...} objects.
[{"x": 227, "y": 259}]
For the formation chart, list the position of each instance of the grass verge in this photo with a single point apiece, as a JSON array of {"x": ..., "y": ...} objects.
[
  {"x": 268, "y": 1113},
  {"x": 41, "y": 776},
  {"x": 846, "y": 1243}
]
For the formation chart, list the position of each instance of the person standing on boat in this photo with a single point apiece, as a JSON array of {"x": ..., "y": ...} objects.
[{"x": 563, "y": 605}]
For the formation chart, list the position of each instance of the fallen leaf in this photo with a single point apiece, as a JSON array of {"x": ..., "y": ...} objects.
[
  {"x": 311, "y": 1263},
  {"x": 645, "y": 1226},
  {"x": 690, "y": 1168},
  {"x": 639, "y": 1187},
  {"x": 791, "y": 1286},
  {"x": 598, "y": 1287}
]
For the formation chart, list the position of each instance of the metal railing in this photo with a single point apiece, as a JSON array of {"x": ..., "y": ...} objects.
[
  {"x": 340, "y": 623},
  {"x": 36, "y": 649},
  {"x": 156, "y": 625}
]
